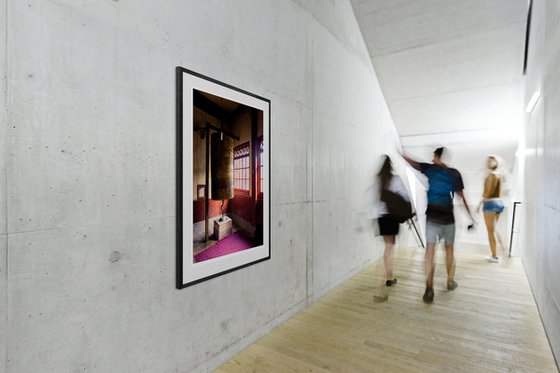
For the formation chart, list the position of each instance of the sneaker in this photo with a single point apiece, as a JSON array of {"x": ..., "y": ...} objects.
[
  {"x": 428, "y": 295},
  {"x": 492, "y": 259},
  {"x": 451, "y": 284},
  {"x": 391, "y": 282}
]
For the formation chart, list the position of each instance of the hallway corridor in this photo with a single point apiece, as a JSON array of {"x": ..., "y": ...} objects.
[
  {"x": 190, "y": 186},
  {"x": 488, "y": 324}
]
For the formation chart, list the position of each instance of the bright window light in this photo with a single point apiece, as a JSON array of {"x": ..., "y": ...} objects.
[{"x": 533, "y": 102}]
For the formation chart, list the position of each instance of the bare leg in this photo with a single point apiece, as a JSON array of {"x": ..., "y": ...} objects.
[
  {"x": 489, "y": 219},
  {"x": 388, "y": 255},
  {"x": 429, "y": 264},
  {"x": 498, "y": 235},
  {"x": 450, "y": 262}
]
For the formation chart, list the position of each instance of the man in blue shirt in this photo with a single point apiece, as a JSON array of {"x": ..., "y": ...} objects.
[{"x": 444, "y": 183}]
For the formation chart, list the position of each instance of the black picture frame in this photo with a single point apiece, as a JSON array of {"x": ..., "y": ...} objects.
[{"x": 187, "y": 272}]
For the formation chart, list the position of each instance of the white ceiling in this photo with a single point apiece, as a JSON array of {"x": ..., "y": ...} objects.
[{"x": 451, "y": 72}]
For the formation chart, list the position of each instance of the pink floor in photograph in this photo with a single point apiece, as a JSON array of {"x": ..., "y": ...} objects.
[{"x": 229, "y": 245}]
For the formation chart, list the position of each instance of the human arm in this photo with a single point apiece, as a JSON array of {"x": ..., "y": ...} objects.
[
  {"x": 479, "y": 205},
  {"x": 412, "y": 162},
  {"x": 462, "y": 195},
  {"x": 459, "y": 186}
]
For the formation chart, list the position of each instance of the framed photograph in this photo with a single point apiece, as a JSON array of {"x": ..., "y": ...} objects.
[{"x": 223, "y": 178}]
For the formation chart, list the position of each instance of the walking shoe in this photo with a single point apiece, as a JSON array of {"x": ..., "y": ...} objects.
[
  {"x": 451, "y": 284},
  {"x": 492, "y": 259},
  {"x": 428, "y": 295},
  {"x": 391, "y": 282}
]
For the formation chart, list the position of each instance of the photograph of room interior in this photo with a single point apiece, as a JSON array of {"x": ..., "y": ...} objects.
[{"x": 228, "y": 158}]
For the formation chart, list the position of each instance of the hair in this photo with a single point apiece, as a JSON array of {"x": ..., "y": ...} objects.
[
  {"x": 386, "y": 172},
  {"x": 439, "y": 152},
  {"x": 496, "y": 162}
]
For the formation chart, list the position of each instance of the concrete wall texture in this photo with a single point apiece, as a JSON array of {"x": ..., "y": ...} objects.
[
  {"x": 541, "y": 248},
  {"x": 3, "y": 199},
  {"x": 88, "y": 130}
]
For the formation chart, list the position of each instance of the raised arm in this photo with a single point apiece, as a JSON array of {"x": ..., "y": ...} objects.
[{"x": 412, "y": 162}]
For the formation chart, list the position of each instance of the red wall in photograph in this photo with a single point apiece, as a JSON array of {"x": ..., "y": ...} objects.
[
  {"x": 244, "y": 207},
  {"x": 213, "y": 208}
]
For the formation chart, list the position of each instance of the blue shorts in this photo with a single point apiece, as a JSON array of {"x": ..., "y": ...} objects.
[{"x": 493, "y": 205}]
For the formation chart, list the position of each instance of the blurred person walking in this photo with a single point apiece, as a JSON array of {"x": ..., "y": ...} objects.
[
  {"x": 492, "y": 205},
  {"x": 444, "y": 183},
  {"x": 394, "y": 208}
]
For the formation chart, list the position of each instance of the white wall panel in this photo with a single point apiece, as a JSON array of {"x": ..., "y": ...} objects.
[
  {"x": 3, "y": 194},
  {"x": 540, "y": 150}
]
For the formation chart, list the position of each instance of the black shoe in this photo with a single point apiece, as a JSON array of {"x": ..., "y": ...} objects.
[
  {"x": 391, "y": 282},
  {"x": 428, "y": 295}
]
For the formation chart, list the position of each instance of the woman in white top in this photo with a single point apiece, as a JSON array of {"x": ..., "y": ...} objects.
[{"x": 389, "y": 228}]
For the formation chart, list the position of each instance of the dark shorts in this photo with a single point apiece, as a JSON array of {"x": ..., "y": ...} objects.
[{"x": 387, "y": 227}]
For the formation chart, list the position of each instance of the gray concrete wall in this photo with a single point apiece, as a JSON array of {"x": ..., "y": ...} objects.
[
  {"x": 541, "y": 150},
  {"x": 91, "y": 171},
  {"x": 3, "y": 154}
]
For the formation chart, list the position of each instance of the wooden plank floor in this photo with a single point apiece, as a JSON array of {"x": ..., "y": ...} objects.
[{"x": 490, "y": 323}]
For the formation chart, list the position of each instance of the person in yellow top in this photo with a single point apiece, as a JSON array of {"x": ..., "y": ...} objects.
[{"x": 492, "y": 205}]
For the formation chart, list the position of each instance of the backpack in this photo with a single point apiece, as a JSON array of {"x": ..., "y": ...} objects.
[{"x": 400, "y": 210}]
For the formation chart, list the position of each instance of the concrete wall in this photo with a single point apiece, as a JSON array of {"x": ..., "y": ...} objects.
[
  {"x": 3, "y": 154},
  {"x": 91, "y": 175},
  {"x": 541, "y": 152}
]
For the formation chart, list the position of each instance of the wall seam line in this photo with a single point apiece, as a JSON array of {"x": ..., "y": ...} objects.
[
  {"x": 6, "y": 88},
  {"x": 444, "y": 39},
  {"x": 307, "y": 240},
  {"x": 311, "y": 257},
  {"x": 448, "y": 92}
]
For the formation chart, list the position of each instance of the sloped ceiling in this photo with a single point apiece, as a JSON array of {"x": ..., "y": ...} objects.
[{"x": 451, "y": 72}]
